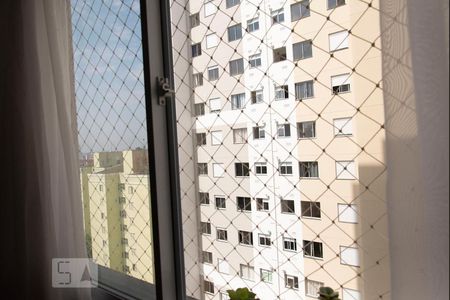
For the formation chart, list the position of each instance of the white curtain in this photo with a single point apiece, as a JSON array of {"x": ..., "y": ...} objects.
[
  {"x": 41, "y": 213},
  {"x": 415, "y": 79}
]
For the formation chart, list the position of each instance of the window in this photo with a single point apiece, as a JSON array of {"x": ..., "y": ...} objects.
[
  {"x": 262, "y": 204},
  {"x": 207, "y": 257},
  {"x": 278, "y": 16},
  {"x": 204, "y": 198},
  {"x": 238, "y": 101},
  {"x": 288, "y": 206},
  {"x": 254, "y": 61},
  {"x": 304, "y": 90},
  {"x": 245, "y": 238},
  {"x": 348, "y": 294},
  {"x": 210, "y": 8},
  {"x": 348, "y": 213},
  {"x": 208, "y": 286},
  {"x": 100, "y": 188},
  {"x": 302, "y": 50},
  {"x": 257, "y": 96},
  {"x": 202, "y": 168},
  {"x": 291, "y": 282},
  {"x": 286, "y": 168},
  {"x": 240, "y": 136},
  {"x": 197, "y": 79},
  {"x": 195, "y": 20},
  {"x": 266, "y": 276},
  {"x": 264, "y": 240},
  {"x": 199, "y": 109},
  {"x": 201, "y": 139},
  {"x": 313, "y": 249},
  {"x": 350, "y": 256},
  {"x": 284, "y": 130},
  {"x": 218, "y": 170},
  {"x": 224, "y": 296},
  {"x": 213, "y": 73},
  {"x": 345, "y": 170},
  {"x": 279, "y": 54},
  {"x": 306, "y": 130},
  {"x": 212, "y": 40},
  {"x": 340, "y": 83},
  {"x": 335, "y": 3},
  {"x": 205, "y": 228},
  {"x": 281, "y": 92},
  {"x": 343, "y": 127},
  {"x": 242, "y": 169},
  {"x": 220, "y": 202},
  {"x": 247, "y": 272},
  {"x": 216, "y": 138},
  {"x": 236, "y": 67},
  {"x": 259, "y": 133},
  {"x": 130, "y": 190},
  {"x": 215, "y": 105},
  {"x": 300, "y": 10},
  {"x": 223, "y": 266},
  {"x": 244, "y": 203},
  {"x": 312, "y": 288},
  {"x": 290, "y": 244},
  {"x": 311, "y": 209},
  {"x": 309, "y": 169},
  {"x": 253, "y": 25},
  {"x": 261, "y": 168},
  {"x": 222, "y": 235},
  {"x": 196, "y": 50},
  {"x": 231, "y": 3},
  {"x": 234, "y": 32},
  {"x": 338, "y": 40}
]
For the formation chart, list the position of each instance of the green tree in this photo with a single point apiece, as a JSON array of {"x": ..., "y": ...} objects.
[
  {"x": 241, "y": 294},
  {"x": 326, "y": 293}
]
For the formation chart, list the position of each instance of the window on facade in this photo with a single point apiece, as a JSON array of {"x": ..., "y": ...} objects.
[
  {"x": 335, "y": 3},
  {"x": 266, "y": 276},
  {"x": 279, "y": 54},
  {"x": 224, "y": 296},
  {"x": 207, "y": 257},
  {"x": 215, "y": 105},
  {"x": 284, "y": 130},
  {"x": 291, "y": 282},
  {"x": 221, "y": 202},
  {"x": 338, "y": 40},
  {"x": 277, "y": 16},
  {"x": 245, "y": 238},
  {"x": 199, "y": 109},
  {"x": 257, "y": 96},
  {"x": 222, "y": 235},
  {"x": 265, "y": 240},
  {"x": 312, "y": 249},
  {"x": 196, "y": 50},
  {"x": 259, "y": 133},
  {"x": 209, "y": 287},
  {"x": 212, "y": 40},
  {"x": 281, "y": 92},
  {"x": 236, "y": 67},
  {"x": 216, "y": 138},
  {"x": 201, "y": 139},
  {"x": 244, "y": 203},
  {"x": 218, "y": 170},
  {"x": 312, "y": 288},
  {"x": 309, "y": 169},
  {"x": 204, "y": 198},
  {"x": 240, "y": 136},
  {"x": 340, "y": 83},
  {"x": 289, "y": 244},
  {"x": 350, "y": 256},
  {"x": 223, "y": 266},
  {"x": 234, "y": 32},
  {"x": 345, "y": 170},
  {"x": 205, "y": 228},
  {"x": 349, "y": 294},
  {"x": 253, "y": 25},
  {"x": 197, "y": 79},
  {"x": 213, "y": 73},
  {"x": 231, "y": 3},
  {"x": 286, "y": 168},
  {"x": 343, "y": 127},
  {"x": 300, "y": 10},
  {"x": 304, "y": 90},
  {"x": 254, "y": 61},
  {"x": 261, "y": 168},
  {"x": 288, "y": 206},
  {"x": 247, "y": 272},
  {"x": 302, "y": 50},
  {"x": 195, "y": 20},
  {"x": 311, "y": 209},
  {"x": 306, "y": 130},
  {"x": 210, "y": 8},
  {"x": 202, "y": 168},
  {"x": 242, "y": 169},
  {"x": 238, "y": 101},
  {"x": 262, "y": 204},
  {"x": 348, "y": 213}
]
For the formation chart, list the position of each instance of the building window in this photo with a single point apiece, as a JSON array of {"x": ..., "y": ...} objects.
[
  {"x": 100, "y": 188},
  {"x": 262, "y": 204},
  {"x": 345, "y": 170},
  {"x": 130, "y": 190},
  {"x": 216, "y": 138},
  {"x": 335, "y": 3},
  {"x": 204, "y": 198},
  {"x": 240, "y": 136},
  {"x": 199, "y": 109},
  {"x": 223, "y": 266},
  {"x": 198, "y": 79},
  {"x": 213, "y": 73},
  {"x": 278, "y": 16},
  {"x": 257, "y": 96},
  {"x": 350, "y": 256},
  {"x": 264, "y": 240},
  {"x": 259, "y": 133},
  {"x": 236, "y": 67},
  {"x": 222, "y": 235},
  {"x": 224, "y": 296},
  {"x": 348, "y": 294},
  {"x": 309, "y": 169},
  {"x": 291, "y": 281},
  {"x": 284, "y": 130},
  {"x": 312, "y": 288},
  {"x": 247, "y": 272},
  {"x": 218, "y": 170},
  {"x": 261, "y": 168},
  {"x": 348, "y": 213},
  {"x": 340, "y": 83},
  {"x": 221, "y": 202},
  {"x": 244, "y": 203},
  {"x": 304, "y": 90},
  {"x": 245, "y": 238},
  {"x": 253, "y": 25},
  {"x": 195, "y": 20},
  {"x": 343, "y": 127},
  {"x": 302, "y": 50},
  {"x": 281, "y": 92},
  {"x": 238, "y": 101},
  {"x": 255, "y": 60},
  {"x": 201, "y": 139},
  {"x": 207, "y": 257},
  {"x": 212, "y": 40},
  {"x": 266, "y": 276},
  {"x": 210, "y": 8},
  {"x": 311, "y": 209},
  {"x": 234, "y": 32},
  {"x": 290, "y": 244},
  {"x": 215, "y": 105},
  {"x": 242, "y": 169},
  {"x": 313, "y": 249},
  {"x": 202, "y": 168},
  {"x": 196, "y": 50},
  {"x": 279, "y": 54},
  {"x": 208, "y": 286},
  {"x": 300, "y": 10},
  {"x": 286, "y": 168},
  {"x": 205, "y": 228},
  {"x": 231, "y": 3},
  {"x": 288, "y": 206},
  {"x": 306, "y": 130},
  {"x": 338, "y": 40}
]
